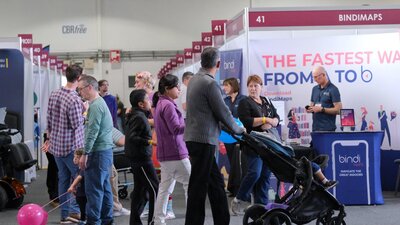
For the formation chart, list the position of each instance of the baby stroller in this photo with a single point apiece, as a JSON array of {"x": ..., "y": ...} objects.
[
  {"x": 306, "y": 201},
  {"x": 123, "y": 165}
]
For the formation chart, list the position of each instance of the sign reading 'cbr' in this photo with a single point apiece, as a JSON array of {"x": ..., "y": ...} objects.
[{"x": 74, "y": 29}]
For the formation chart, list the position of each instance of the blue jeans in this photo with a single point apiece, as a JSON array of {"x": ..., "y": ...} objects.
[
  {"x": 256, "y": 180},
  {"x": 98, "y": 188},
  {"x": 315, "y": 167},
  {"x": 66, "y": 171}
]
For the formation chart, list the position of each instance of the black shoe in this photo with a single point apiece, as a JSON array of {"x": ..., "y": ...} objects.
[{"x": 330, "y": 184}]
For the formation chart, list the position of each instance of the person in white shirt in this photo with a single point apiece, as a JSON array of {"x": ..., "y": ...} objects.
[{"x": 182, "y": 97}]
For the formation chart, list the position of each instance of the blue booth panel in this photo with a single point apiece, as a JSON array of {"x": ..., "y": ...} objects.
[{"x": 354, "y": 162}]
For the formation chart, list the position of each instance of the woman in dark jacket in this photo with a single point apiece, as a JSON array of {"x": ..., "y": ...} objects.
[
  {"x": 257, "y": 113},
  {"x": 232, "y": 100}
]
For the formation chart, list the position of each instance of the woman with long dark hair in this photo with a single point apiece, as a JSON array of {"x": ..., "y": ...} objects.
[{"x": 171, "y": 148}]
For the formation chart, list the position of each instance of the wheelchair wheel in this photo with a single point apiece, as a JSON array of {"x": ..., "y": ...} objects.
[
  {"x": 277, "y": 217},
  {"x": 15, "y": 203},
  {"x": 254, "y": 215},
  {"x": 123, "y": 193},
  {"x": 3, "y": 198}
]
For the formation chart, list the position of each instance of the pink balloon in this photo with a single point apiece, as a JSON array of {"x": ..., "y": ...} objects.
[
  {"x": 31, "y": 214},
  {"x": 45, "y": 217}
]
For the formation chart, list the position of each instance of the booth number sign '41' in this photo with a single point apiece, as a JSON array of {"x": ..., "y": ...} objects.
[{"x": 260, "y": 19}]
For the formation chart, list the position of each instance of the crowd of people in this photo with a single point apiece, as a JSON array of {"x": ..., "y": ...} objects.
[{"x": 180, "y": 124}]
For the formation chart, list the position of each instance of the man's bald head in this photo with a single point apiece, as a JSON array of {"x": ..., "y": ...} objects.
[{"x": 320, "y": 75}]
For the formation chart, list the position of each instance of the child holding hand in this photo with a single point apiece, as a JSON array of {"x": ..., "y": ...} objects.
[{"x": 78, "y": 188}]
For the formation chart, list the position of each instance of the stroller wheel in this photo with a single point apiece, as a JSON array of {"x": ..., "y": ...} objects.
[
  {"x": 277, "y": 217},
  {"x": 321, "y": 221},
  {"x": 123, "y": 193},
  {"x": 335, "y": 221},
  {"x": 330, "y": 221},
  {"x": 254, "y": 215}
]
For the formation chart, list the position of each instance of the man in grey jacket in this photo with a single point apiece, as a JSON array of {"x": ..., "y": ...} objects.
[{"x": 205, "y": 110}]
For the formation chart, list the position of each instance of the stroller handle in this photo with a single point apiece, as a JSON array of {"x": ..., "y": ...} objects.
[{"x": 239, "y": 137}]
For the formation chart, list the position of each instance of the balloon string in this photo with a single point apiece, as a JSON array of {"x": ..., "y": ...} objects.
[
  {"x": 53, "y": 200},
  {"x": 51, "y": 210}
]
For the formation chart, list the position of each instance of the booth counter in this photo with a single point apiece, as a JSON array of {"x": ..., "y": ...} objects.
[{"x": 354, "y": 162}]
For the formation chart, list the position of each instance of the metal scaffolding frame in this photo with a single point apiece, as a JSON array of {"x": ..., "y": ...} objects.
[{"x": 125, "y": 55}]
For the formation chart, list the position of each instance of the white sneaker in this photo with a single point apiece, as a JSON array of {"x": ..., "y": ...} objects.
[
  {"x": 122, "y": 212},
  {"x": 236, "y": 207},
  {"x": 144, "y": 214},
  {"x": 170, "y": 215},
  {"x": 69, "y": 220}
]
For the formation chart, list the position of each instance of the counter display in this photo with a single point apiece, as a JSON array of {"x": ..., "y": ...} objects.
[{"x": 355, "y": 163}]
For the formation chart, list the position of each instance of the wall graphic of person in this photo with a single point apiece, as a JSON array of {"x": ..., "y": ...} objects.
[
  {"x": 384, "y": 124},
  {"x": 292, "y": 125},
  {"x": 364, "y": 123}
]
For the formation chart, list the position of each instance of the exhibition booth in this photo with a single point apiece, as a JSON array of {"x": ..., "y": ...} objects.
[
  {"x": 26, "y": 81},
  {"x": 360, "y": 48}
]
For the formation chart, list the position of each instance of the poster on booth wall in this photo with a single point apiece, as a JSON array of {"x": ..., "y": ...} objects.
[
  {"x": 231, "y": 65},
  {"x": 12, "y": 83},
  {"x": 363, "y": 67}
]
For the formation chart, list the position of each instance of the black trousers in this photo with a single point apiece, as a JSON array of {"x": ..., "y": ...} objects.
[
  {"x": 145, "y": 181},
  {"x": 205, "y": 179},
  {"x": 52, "y": 177},
  {"x": 238, "y": 167},
  {"x": 81, "y": 200}
]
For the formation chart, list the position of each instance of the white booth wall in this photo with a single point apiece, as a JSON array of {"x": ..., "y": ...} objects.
[{"x": 139, "y": 25}]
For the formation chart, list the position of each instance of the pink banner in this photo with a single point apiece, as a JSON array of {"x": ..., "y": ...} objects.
[
  {"x": 44, "y": 58},
  {"x": 173, "y": 63},
  {"x": 179, "y": 58},
  {"x": 324, "y": 17},
  {"x": 196, "y": 47},
  {"x": 53, "y": 61},
  {"x": 37, "y": 52},
  {"x": 59, "y": 64},
  {"x": 206, "y": 39},
  {"x": 188, "y": 53},
  {"x": 234, "y": 26},
  {"x": 27, "y": 41},
  {"x": 218, "y": 27}
]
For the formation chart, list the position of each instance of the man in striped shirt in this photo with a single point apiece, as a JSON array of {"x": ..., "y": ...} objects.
[{"x": 66, "y": 134}]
